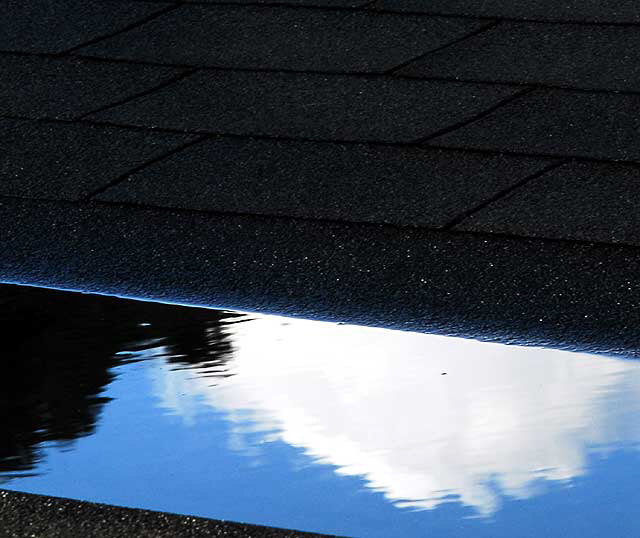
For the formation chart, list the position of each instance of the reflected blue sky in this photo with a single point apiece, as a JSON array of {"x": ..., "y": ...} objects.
[{"x": 364, "y": 432}]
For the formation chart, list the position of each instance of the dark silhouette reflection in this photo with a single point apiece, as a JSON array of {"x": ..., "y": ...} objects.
[{"x": 57, "y": 350}]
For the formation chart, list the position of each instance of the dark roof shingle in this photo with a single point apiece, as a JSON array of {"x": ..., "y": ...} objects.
[
  {"x": 324, "y": 107},
  {"x": 576, "y": 56},
  {"x": 283, "y": 38},
  {"x": 558, "y": 122},
  {"x": 618, "y": 11},
  {"x": 59, "y": 25},
  {"x": 352, "y": 182},
  {"x": 39, "y": 87},
  {"x": 68, "y": 161}
]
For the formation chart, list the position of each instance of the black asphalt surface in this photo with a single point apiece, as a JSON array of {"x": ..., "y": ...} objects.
[
  {"x": 570, "y": 203},
  {"x": 38, "y": 87},
  {"x": 26, "y": 516},
  {"x": 284, "y": 38},
  {"x": 600, "y": 126},
  {"x": 308, "y": 106},
  {"x": 461, "y": 167},
  {"x": 563, "y": 55},
  {"x": 56, "y": 27},
  {"x": 69, "y": 162},
  {"x": 599, "y": 11},
  {"x": 566, "y": 294},
  {"x": 404, "y": 186}
]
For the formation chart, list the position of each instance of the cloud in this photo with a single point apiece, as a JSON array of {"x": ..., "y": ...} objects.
[{"x": 420, "y": 417}]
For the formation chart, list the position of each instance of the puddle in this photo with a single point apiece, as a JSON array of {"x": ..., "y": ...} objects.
[{"x": 311, "y": 425}]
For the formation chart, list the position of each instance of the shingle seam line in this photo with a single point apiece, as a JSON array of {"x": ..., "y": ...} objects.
[
  {"x": 334, "y": 222},
  {"x": 407, "y": 228},
  {"x": 356, "y": 142},
  {"x": 511, "y": 153},
  {"x": 474, "y": 33},
  {"x": 475, "y": 117},
  {"x": 361, "y": 74},
  {"x": 124, "y": 29},
  {"x": 148, "y": 91},
  {"x": 373, "y": 75},
  {"x": 362, "y": 6},
  {"x": 368, "y": 6},
  {"x": 141, "y": 167},
  {"x": 464, "y": 215},
  {"x": 502, "y": 18},
  {"x": 519, "y": 84}
]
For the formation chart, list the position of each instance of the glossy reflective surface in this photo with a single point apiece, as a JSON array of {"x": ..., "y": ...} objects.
[{"x": 301, "y": 424}]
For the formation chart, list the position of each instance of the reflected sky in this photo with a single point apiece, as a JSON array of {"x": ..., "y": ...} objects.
[{"x": 317, "y": 426}]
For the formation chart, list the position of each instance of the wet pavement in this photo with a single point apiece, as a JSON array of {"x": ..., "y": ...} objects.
[{"x": 317, "y": 426}]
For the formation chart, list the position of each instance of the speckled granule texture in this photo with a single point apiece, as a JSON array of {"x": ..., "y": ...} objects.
[
  {"x": 602, "y": 126},
  {"x": 302, "y": 105},
  {"x": 461, "y": 166},
  {"x": 544, "y": 54},
  {"x": 42, "y": 87},
  {"x": 26, "y": 516},
  {"x": 580, "y": 201},
  {"x": 283, "y": 38},
  {"x": 70, "y": 161},
  {"x": 354, "y": 182},
  {"x": 600, "y": 11},
  {"x": 54, "y": 27},
  {"x": 567, "y": 294}
]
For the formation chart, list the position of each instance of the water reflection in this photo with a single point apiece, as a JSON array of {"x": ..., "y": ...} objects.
[
  {"x": 425, "y": 421},
  {"x": 424, "y": 418},
  {"x": 58, "y": 353}
]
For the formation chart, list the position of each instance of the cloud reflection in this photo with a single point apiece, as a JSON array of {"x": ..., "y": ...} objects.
[{"x": 422, "y": 418}]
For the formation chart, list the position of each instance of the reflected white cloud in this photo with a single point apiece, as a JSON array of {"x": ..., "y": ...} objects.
[{"x": 420, "y": 417}]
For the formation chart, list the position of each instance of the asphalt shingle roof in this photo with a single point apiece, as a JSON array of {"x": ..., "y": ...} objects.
[
  {"x": 601, "y": 126},
  {"x": 601, "y": 11},
  {"x": 39, "y": 87},
  {"x": 499, "y": 126},
  {"x": 308, "y": 106},
  {"x": 56, "y": 27},
  {"x": 583, "y": 201},
  {"x": 70, "y": 161},
  {"x": 36, "y": 515},
  {"x": 357, "y": 183},
  {"x": 597, "y": 57},
  {"x": 282, "y": 38}
]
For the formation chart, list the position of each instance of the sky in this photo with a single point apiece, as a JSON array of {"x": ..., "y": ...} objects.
[{"x": 367, "y": 432}]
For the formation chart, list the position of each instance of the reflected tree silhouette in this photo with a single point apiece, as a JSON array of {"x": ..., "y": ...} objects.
[{"x": 57, "y": 352}]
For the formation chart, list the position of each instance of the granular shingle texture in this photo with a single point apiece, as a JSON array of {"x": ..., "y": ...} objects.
[
  {"x": 311, "y": 3},
  {"x": 56, "y": 26},
  {"x": 309, "y": 106},
  {"x": 558, "y": 122},
  {"x": 583, "y": 201},
  {"x": 443, "y": 114},
  {"x": 67, "y": 161},
  {"x": 533, "y": 291},
  {"x": 38, "y": 87},
  {"x": 473, "y": 117},
  {"x": 283, "y": 38},
  {"x": 619, "y": 11},
  {"x": 568, "y": 55},
  {"x": 25, "y": 516},
  {"x": 356, "y": 183}
]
